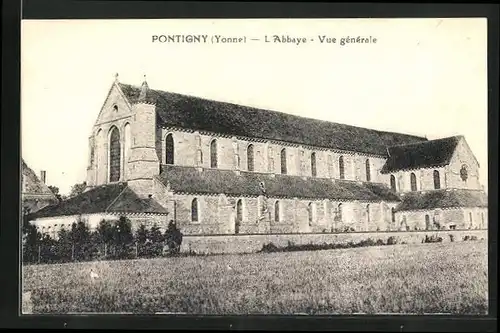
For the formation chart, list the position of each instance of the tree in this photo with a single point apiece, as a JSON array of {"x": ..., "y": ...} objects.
[
  {"x": 173, "y": 238},
  {"x": 64, "y": 245},
  {"x": 80, "y": 237},
  {"x": 141, "y": 235},
  {"x": 122, "y": 238},
  {"x": 55, "y": 190},
  {"x": 105, "y": 231},
  {"x": 31, "y": 238},
  {"x": 48, "y": 249},
  {"x": 104, "y": 236},
  {"x": 156, "y": 238},
  {"x": 77, "y": 189},
  {"x": 155, "y": 234}
]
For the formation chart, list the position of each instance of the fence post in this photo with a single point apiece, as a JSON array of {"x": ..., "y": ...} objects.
[
  {"x": 136, "y": 250},
  {"x": 39, "y": 249},
  {"x": 73, "y": 252},
  {"x": 105, "y": 250}
]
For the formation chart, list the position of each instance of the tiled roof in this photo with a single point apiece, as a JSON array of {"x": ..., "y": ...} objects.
[
  {"x": 196, "y": 113},
  {"x": 433, "y": 153},
  {"x": 214, "y": 181},
  {"x": 33, "y": 185},
  {"x": 114, "y": 198},
  {"x": 128, "y": 201},
  {"x": 448, "y": 198}
]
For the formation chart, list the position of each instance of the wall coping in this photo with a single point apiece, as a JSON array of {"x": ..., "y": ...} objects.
[{"x": 338, "y": 233}]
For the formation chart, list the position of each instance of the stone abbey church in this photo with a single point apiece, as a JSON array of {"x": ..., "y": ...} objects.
[{"x": 220, "y": 168}]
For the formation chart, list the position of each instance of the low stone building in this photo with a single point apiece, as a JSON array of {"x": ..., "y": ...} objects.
[
  {"x": 35, "y": 194},
  {"x": 220, "y": 168}
]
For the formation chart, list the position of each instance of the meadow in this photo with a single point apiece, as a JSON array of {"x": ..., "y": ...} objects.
[{"x": 412, "y": 278}]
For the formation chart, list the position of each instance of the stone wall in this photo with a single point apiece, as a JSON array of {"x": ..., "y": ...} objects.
[
  {"x": 97, "y": 171},
  {"x": 217, "y": 214},
  {"x": 459, "y": 218},
  {"x": 254, "y": 243},
  {"x": 52, "y": 225},
  {"x": 424, "y": 178},
  {"x": 192, "y": 148},
  {"x": 463, "y": 156}
]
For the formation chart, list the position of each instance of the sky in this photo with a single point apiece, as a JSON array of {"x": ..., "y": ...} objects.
[{"x": 426, "y": 77}]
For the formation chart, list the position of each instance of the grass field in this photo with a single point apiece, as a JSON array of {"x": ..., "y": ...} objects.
[{"x": 423, "y": 278}]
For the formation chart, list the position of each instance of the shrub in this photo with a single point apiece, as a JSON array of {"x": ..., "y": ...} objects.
[
  {"x": 348, "y": 229},
  {"x": 432, "y": 239},
  {"x": 367, "y": 242},
  {"x": 270, "y": 248},
  {"x": 392, "y": 240},
  {"x": 325, "y": 246},
  {"x": 452, "y": 238},
  {"x": 470, "y": 238}
]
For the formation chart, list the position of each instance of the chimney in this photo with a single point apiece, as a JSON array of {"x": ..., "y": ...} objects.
[{"x": 43, "y": 175}]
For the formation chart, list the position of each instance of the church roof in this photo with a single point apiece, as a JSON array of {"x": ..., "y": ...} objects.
[
  {"x": 109, "y": 198},
  {"x": 213, "y": 181},
  {"x": 201, "y": 114},
  {"x": 33, "y": 186},
  {"x": 427, "y": 154},
  {"x": 448, "y": 198}
]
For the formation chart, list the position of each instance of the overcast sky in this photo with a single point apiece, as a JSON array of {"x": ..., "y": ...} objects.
[{"x": 423, "y": 76}]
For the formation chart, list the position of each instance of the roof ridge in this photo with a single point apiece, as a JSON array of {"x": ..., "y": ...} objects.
[{"x": 426, "y": 141}]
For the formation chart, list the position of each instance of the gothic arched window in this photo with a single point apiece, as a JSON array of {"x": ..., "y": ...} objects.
[
  {"x": 283, "y": 161},
  {"x": 339, "y": 212},
  {"x": 368, "y": 173},
  {"x": 313, "y": 164},
  {"x": 393, "y": 214},
  {"x": 310, "y": 213},
  {"x": 341, "y": 167},
  {"x": 127, "y": 142},
  {"x": 98, "y": 151},
  {"x": 393, "y": 183},
  {"x": 194, "y": 210},
  {"x": 437, "y": 180},
  {"x": 413, "y": 182},
  {"x": 169, "y": 149},
  {"x": 250, "y": 159},
  {"x": 239, "y": 216},
  {"x": 114, "y": 155},
  {"x": 213, "y": 154},
  {"x": 277, "y": 211},
  {"x": 427, "y": 222}
]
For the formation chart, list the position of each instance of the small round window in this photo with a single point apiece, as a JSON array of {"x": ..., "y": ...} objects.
[
  {"x": 463, "y": 173},
  {"x": 115, "y": 108}
]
